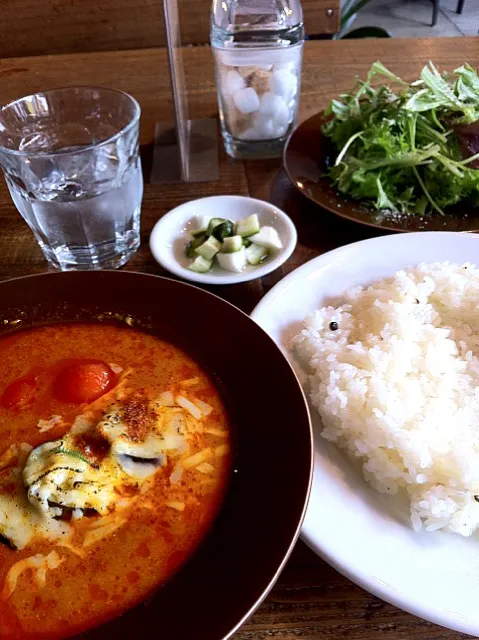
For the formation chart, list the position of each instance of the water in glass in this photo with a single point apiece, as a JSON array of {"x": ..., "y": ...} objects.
[{"x": 81, "y": 201}]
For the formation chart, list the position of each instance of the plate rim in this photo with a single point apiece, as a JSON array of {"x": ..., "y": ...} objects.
[
  {"x": 319, "y": 116},
  {"x": 384, "y": 227},
  {"x": 232, "y": 278},
  {"x": 375, "y": 587}
]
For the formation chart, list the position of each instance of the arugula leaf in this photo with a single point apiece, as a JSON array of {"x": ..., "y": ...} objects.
[
  {"x": 398, "y": 150},
  {"x": 440, "y": 89},
  {"x": 383, "y": 202},
  {"x": 344, "y": 150},
  {"x": 465, "y": 92},
  {"x": 423, "y": 100},
  {"x": 469, "y": 77},
  {"x": 377, "y": 68},
  {"x": 339, "y": 109},
  {"x": 426, "y": 192}
]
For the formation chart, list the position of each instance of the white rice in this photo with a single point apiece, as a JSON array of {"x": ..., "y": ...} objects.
[{"x": 397, "y": 386}]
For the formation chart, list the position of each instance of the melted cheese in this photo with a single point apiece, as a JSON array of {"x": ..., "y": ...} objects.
[
  {"x": 19, "y": 523},
  {"x": 38, "y": 563},
  {"x": 165, "y": 432},
  {"x": 57, "y": 476},
  {"x": 15, "y": 455},
  {"x": 103, "y": 528}
]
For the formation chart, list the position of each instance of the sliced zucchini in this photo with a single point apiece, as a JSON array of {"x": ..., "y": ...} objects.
[
  {"x": 232, "y": 261},
  {"x": 214, "y": 222},
  {"x": 255, "y": 254},
  {"x": 190, "y": 249},
  {"x": 224, "y": 230},
  {"x": 267, "y": 237},
  {"x": 246, "y": 242},
  {"x": 209, "y": 248},
  {"x": 232, "y": 244},
  {"x": 247, "y": 227},
  {"x": 200, "y": 265}
]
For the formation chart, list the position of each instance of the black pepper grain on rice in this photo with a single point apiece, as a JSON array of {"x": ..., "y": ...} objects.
[{"x": 333, "y": 326}]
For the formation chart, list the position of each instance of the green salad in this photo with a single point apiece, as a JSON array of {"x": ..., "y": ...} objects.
[{"x": 406, "y": 147}]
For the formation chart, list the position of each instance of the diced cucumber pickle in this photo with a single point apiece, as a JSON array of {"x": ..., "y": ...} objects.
[
  {"x": 255, "y": 254},
  {"x": 231, "y": 245},
  {"x": 248, "y": 227},
  {"x": 190, "y": 249},
  {"x": 232, "y": 261},
  {"x": 267, "y": 237},
  {"x": 223, "y": 230},
  {"x": 214, "y": 222},
  {"x": 197, "y": 233},
  {"x": 234, "y": 244},
  {"x": 200, "y": 265},
  {"x": 209, "y": 248}
]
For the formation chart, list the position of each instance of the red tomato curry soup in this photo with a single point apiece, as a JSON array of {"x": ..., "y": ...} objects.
[{"x": 114, "y": 459}]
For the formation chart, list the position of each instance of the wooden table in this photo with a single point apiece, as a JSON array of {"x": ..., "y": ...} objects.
[{"x": 310, "y": 600}]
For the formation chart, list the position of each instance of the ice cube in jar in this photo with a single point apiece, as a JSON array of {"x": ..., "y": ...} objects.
[
  {"x": 259, "y": 93},
  {"x": 246, "y": 100},
  {"x": 283, "y": 83},
  {"x": 233, "y": 82},
  {"x": 275, "y": 106},
  {"x": 264, "y": 126}
]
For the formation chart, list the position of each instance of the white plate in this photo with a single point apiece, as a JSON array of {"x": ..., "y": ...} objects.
[
  {"x": 171, "y": 234},
  {"x": 363, "y": 534}
]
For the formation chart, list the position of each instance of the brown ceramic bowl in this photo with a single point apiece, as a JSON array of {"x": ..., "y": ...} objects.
[
  {"x": 250, "y": 541},
  {"x": 304, "y": 160}
]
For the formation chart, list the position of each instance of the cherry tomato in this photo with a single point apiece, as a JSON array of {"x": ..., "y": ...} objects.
[
  {"x": 19, "y": 392},
  {"x": 83, "y": 381}
]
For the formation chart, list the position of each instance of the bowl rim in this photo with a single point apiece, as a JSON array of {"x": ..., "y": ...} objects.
[{"x": 266, "y": 588}]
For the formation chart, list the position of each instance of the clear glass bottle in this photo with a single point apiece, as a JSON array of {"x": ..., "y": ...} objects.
[{"x": 257, "y": 47}]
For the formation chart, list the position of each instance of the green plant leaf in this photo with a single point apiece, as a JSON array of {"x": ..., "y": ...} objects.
[{"x": 352, "y": 10}]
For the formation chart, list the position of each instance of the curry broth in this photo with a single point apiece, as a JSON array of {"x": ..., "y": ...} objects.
[{"x": 164, "y": 525}]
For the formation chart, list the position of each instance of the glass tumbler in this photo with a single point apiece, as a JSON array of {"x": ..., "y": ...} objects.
[{"x": 71, "y": 163}]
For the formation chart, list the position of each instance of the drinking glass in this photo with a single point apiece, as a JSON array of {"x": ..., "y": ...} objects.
[{"x": 71, "y": 163}]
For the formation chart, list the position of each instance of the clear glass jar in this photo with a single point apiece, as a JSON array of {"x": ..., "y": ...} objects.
[{"x": 257, "y": 47}]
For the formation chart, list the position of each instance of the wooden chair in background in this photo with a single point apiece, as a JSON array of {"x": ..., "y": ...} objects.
[{"x": 40, "y": 27}]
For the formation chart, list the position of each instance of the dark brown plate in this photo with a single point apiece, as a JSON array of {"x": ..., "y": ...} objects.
[
  {"x": 250, "y": 541},
  {"x": 304, "y": 160}
]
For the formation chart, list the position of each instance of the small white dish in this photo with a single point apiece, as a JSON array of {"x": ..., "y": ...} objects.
[
  {"x": 365, "y": 535},
  {"x": 170, "y": 236}
]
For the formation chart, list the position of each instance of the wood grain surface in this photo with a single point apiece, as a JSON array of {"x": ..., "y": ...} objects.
[
  {"x": 42, "y": 27},
  {"x": 311, "y": 601}
]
